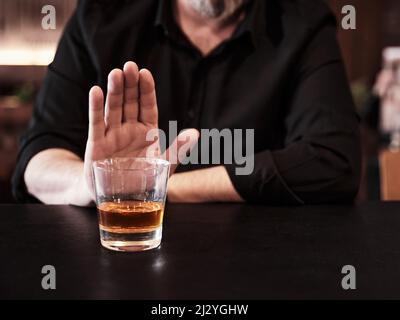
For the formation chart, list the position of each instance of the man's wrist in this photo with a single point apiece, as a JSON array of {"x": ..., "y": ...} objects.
[
  {"x": 79, "y": 194},
  {"x": 180, "y": 191},
  {"x": 172, "y": 192},
  {"x": 204, "y": 185}
]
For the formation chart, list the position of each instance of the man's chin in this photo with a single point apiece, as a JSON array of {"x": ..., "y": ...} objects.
[
  {"x": 216, "y": 9},
  {"x": 208, "y": 8}
]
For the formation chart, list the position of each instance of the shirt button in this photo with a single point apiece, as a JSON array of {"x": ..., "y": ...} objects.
[{"x": 191, "y": 114}]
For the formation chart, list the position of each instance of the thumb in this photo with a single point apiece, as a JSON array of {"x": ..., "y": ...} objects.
[{"x": 181, "y": 147}]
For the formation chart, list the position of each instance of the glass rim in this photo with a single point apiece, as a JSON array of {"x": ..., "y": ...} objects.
[{"x": 154, "y": 161}]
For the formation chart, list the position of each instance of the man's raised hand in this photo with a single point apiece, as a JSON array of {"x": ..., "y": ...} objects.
[{"x": 118, "y": 127}]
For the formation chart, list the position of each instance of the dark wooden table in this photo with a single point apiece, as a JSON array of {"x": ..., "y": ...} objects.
[{"x": 214, "y": 251}]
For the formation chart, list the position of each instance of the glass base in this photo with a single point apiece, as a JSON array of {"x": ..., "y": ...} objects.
[{"x": 131, "y": 242}]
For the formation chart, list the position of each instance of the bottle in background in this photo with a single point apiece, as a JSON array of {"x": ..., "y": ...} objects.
[{"x": 390, "y": 107}]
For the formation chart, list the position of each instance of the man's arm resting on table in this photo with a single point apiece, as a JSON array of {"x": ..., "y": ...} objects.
[
  {"x": 55, "y": 176},
  {"x": 204, "y": 185}
]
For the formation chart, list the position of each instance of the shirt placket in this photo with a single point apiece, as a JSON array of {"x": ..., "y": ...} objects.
[{"x": 197, "y": 95}]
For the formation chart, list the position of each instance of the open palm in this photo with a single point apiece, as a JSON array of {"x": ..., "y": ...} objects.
[{"x": 119, "y": 127}]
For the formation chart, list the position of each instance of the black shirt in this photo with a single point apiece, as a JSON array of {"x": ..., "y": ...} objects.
[{"x": 281, "y": 74}]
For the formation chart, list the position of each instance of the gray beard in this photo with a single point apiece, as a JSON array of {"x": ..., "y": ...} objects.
[{"x": 216, "y": 8}]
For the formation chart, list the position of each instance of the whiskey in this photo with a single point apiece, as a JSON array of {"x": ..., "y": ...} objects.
[
  {"x": 130, "y": 216},
  {"x": 125, "y": 222}
]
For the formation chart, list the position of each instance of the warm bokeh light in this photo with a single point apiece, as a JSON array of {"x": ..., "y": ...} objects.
[{"x": 20, "y": 56}]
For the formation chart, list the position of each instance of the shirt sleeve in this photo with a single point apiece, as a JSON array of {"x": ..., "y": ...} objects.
[
  {"x": 60, "y": 117},
  {"x": 321, "y": 158}
]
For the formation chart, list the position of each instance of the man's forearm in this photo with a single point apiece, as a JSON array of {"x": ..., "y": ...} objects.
[
  {"x": 205, "y": 185},
  {"x": 55, "y": 176}
]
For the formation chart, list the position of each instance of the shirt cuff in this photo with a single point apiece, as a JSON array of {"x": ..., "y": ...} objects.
[
  {"x": 27, "y": 152},
  {"x": 264, "y": 185}
]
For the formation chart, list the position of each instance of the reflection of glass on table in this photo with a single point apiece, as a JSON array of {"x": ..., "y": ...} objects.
[{"x": 390, "y": 115}]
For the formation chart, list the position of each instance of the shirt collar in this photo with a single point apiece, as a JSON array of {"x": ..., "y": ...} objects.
[
  {"x": 253, "y": 24},
  {"x": 162, "y": 16}
]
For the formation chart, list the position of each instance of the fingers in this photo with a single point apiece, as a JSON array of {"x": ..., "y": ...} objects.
[
  {"x": 115, "y": 98},
  {"x": 148, "y": 113},
  {"x": 131, "y": 96},
  {"x": 131, "y": 92},
  {"x": 96, "y": 116}
]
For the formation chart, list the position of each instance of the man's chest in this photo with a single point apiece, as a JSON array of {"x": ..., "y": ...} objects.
[{"x": 233, "y": 89}]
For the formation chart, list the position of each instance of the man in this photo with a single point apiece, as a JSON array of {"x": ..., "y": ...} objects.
[{"x": 272, "y": 66}]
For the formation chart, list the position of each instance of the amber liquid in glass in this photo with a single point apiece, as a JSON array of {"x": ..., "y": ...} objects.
[
  {"x": 130, "y": 225},
  {"x": 130, "y": 216}
]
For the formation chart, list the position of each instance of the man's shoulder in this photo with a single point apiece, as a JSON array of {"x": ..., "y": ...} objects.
[
  {"x": 91, "y": 12},
  {"x": 311, "y": 13},
  {"x": 103, "y": 6}
]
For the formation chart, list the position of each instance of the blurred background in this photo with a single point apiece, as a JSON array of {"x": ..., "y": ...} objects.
[{"x": 373, "y": 72}]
